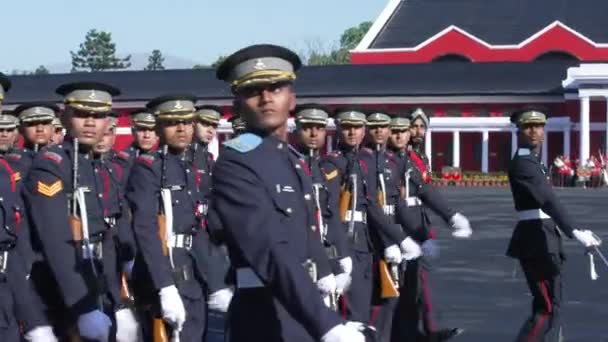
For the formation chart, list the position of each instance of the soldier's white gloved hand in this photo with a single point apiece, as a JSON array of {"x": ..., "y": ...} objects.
[
  {"x": 343, "y": 281},
  {"x": 127, "y": 328},
  {"x": 461, "y": 225},
  {"x": 127, "y": 268},
  {"x": 343, "y": 333},
  {"x": 586, "y": 237},
  {"x": 220, "y": 300},
  {"x": 172, "y": 307},
  {"x": 410, "y": 249},
  {"x": 94, "y": 325},
  {"x": 40, "y": 334},
  {"x": 327, "y": 284},
  {"x": 347, "y": 265},
  {"x": 392, "y": 254}
]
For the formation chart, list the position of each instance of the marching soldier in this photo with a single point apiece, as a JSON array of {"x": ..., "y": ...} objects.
[
  {"x": 144, "y": 136},
  {"x": 58, "y": 132},
  {"x": 215, "y": 265},
  {"x": 271, "y": 244},
  {"x": 238, "y": 124},
  {"x": 165, "y": 202},
  {"x": 37, "y": 129},
  {"x": 400, "y": 136},
  {"x": 415, "y": 301},
  {"x": 351, "y": 175},
  {"x": 64, "y": 194},
  {"x": 537, "y": 238},
  {"x": 20, "y": 308},
  {"x": 311, "y": 123}
]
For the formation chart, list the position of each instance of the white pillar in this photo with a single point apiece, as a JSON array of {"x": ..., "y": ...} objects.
[
  {"x": 329, "y": 143},
  {"x": 456, "y": 149},
  {"x": 584, "y": 130},
  {"x": 214, "y": 147},
  {"x": 513, "y": 142},
  {"x": 485, "y": 137},
  {"x": 428, "y": 145},
  {"x": 567, "y": 142}
]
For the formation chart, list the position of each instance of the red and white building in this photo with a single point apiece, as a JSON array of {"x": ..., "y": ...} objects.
[{"x": 469, "y": 63}]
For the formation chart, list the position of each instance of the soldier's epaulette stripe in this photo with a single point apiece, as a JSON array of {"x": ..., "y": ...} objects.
[
  {"x": 15, "y": 156},
  {"x": 333, "y": 154},
  {"x": 146, "y": 158},
  {"x": 123, "y": 155},
  {"x": 52, "y": 156},
  {"x": 244, "y": 142},
  {"x": 367, "y": 150}
]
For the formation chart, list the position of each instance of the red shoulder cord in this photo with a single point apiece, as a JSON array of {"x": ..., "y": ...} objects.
[
  {"x": 421, "y": 166},
  {"x": 13, "y": 189}
]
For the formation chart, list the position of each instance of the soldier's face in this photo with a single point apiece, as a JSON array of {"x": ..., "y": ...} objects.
[
  {"x": 267, "y": 108},
  {"x": 379, "y": 134},
  {"x": 532, "y": 135},
  {"x": 312, "y": 135},
  {"x": 177, "y": 134},
  {"x": 399, "y": 138},
  {"x": 145, "y": 138},
  {"x": 205, "y": 132},
  {"x": 418, "y": 130},
  {"x": 7, "y": 138},
  {"x": 107, "y": 141},
  {"x": 87, "y": 127},
  {"x": 58, "y": 136},
  {"x": 39, "y": 132},
  {"x": 352, "y": 135}
]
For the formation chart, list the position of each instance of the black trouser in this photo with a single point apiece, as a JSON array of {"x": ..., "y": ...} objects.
[
  {"x": 9, "y": 327},
  {"x": 543, "y": 276}
]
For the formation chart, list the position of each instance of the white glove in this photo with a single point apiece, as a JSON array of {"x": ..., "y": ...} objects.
[
  {"x": 410, "y": 249},
  {"x": 172, "y": 307},
  {"x": 343, "y": 281},
  {"x": 392, "y": 255},
  {"x": 95, "y": 325},
  {"x": 343, "y": 333},
  {"x": 127, "y": 268},
  {"x": 461, "y": 225},
  {"x": 327, "y": 284},
  {"x": 220, "y": 300},
  {"x": 586, "y": 237},
  {"x": 40, "y": 334},
  {"x": 127, "y": 328},
  {"x": 347, "y": 265}
]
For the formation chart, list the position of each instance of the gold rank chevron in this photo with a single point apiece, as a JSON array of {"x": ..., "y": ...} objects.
[
  {"x": 50, "y": 190},
  {"x": 331, "y": 175}
]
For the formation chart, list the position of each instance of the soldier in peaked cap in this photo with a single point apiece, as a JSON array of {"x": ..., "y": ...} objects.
[
  {"x": 216, "y": 264},
  {"x": 400, "y": 136},
  {"x": 8, "y": 132},
  {"x": 78, "y": 277},
  {"x": 37, "y": 130},
  {"x": 58, "y": 131},
  {"x": 537, "y": 238},
  {"x": 238, "y": 125},
  {"x": 271, "y": 242},
  {"x": 170, "y": 278},
  {"x": 311, "y": 123},
  {"x": 351, "y": 175},
  {"x": 144, "y": 136}
]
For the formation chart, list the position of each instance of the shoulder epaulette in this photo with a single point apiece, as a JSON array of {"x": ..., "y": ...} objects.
[
  {"x": 123, "y": 155},
  {"x": 52, "y": 156},
  {"x": 146, "y": 158},
  {"x": 333, "y": 154},
  {"x": 523, "y": 152},
  {"x": 244, "y": 143},
  {"x": 14, "y": 155},
  {"x": 367, "y": 150}
]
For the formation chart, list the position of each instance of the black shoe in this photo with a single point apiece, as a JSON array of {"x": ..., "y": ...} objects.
[{"x": 445, "y": 334}]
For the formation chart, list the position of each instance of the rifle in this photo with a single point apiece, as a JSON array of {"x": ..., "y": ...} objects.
[
  {"x": 389, "y": 279},
  {"x": 316, "y": 189},
  {"x": 165, "y": 234}
]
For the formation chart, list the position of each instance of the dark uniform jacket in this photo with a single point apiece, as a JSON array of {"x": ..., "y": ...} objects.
[
  {"x": 63, "y": 276},
  {"x": 531, "y": 190},
  {"x": 263, "y": 199},
  {"x": 151, "y": 172}
]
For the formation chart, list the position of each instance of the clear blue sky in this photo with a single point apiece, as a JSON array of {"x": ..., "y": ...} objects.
[{"x": 36, "y": 32}]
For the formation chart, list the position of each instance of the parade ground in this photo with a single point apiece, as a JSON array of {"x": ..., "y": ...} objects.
[{"x": 483, "y": 292}]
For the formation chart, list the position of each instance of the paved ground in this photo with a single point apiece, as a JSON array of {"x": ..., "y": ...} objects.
[{"x": 480, "y": 290}]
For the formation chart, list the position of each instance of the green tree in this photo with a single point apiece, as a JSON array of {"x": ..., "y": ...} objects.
[
  {"x": 41, "y": 70},
  {"x": 219, "y": 61},
  {"x": 200, "y": 66},
  {"x": 155, "y": 61},
  {"x": 98, "y": 53},
  {"x": 349, "y": 40}
]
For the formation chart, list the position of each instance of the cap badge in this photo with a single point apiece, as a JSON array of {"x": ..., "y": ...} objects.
[
  {"x": 259, "y": 65},
  {"x": 92, "y": 95},
  {"x": 178, "y": 105}
]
